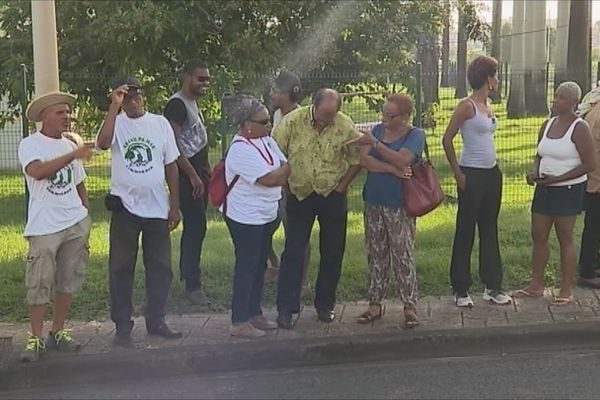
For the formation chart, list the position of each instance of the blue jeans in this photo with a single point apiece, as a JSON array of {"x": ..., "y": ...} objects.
[{"x": 252, "y": 245}]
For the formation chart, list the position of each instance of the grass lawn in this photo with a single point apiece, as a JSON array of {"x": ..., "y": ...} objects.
[{"x": 515, "y": 144}]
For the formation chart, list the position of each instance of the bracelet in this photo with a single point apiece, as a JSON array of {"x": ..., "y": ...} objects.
[{"x": 375, "y": 144}]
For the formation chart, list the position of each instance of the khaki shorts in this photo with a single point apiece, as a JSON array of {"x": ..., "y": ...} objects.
[{"x": 56, "y": 262}]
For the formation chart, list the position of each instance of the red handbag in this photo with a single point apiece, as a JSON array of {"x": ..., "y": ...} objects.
[
  {"x": 218, "y": 189},
  {"x": 422, "y": 192}
]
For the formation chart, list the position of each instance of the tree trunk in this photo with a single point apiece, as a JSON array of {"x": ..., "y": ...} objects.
[
  {"x": 516, "y": 97},
  {"x": 429, "y": 55},
  {"x": 562, "y": 40},
  {"x": 536, "y": 102},
  {"x": 445, "y": 82},
  {"x": 497, "y": 45},
  {"x": 461, "y": 59},
  {"x": 579, "y": 67}
]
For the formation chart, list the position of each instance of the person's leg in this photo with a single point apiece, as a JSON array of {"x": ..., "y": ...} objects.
[
  {"x": 490, "y": 264},
  {"x": 540, "y": 231},
  {"x": 256, "y": 292},
  {"x": 564, "y": 227},
  {"x": 125, "y": 230},
  {"x": 39, "y": 278},
  {"x": 377, "y": 242},
  {"x": 248, "y": 243},
  {"x": 71, "y": 260},
  {"x": 469, "y": 202},
  {"x": 300, "y": 220},
  {"x": 590, "y": 239},
  {"x": 156, "y": 248},
  {"x": 333, "y": 219},
  {"x": 401, "y": 230},
  {"x": 192, "y": 235}
]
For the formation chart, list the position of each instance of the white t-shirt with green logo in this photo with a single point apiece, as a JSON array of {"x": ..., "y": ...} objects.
[
  {"x": 140, "y": 150},
  {"x": 54, "y": 204}
]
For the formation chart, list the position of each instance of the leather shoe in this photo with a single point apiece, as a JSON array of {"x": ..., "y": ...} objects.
[
  {"x": 163, "y": 330},
  {"x": 284, "y": 320},
  {"x": 326, "y": 315}
]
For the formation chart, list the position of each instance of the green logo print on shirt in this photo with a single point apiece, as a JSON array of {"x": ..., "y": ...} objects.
[
  {"x": 60, "y": 182},
  {"x": 138, "y": 155}
]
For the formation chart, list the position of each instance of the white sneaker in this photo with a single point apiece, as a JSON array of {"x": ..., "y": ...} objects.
[
  {"x": 245, "y": 330},
  {"x": 497, "y": 297},
  {"x": 263, "y": 323},
  {"x": 463, "y": 300}
]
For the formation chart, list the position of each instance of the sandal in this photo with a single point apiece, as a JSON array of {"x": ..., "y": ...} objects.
[
  {"x": 368, "y": 317},
  {"x": 526, "y": 293},
  {"x": 562, "y": 301},
  {"x": 410, "y": 318}
]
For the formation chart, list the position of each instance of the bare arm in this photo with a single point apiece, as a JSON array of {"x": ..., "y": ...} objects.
[
  {"x": 107, "y": 131},
  {"x": 400, "y": 159},
  {"x": 185, "y": 165},
  {"x": 277, "y": 177},
  {"x": 172, "y": 177},
  {"x": 40, "y": 170},
  {"x": 372, "y": 164},
  {"x": 534, "y": 173},
  {"x": 585, "y": 147},
  {"x": 463, "y": 111},
  {"x": 82, "y": 192}
]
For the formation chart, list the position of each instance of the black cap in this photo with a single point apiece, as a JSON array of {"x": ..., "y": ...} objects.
[
  {"x": 287, "y": 82},
  {"x": 127, "y": 80}
]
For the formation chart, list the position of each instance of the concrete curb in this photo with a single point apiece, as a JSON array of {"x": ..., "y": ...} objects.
[{"x": 211, "y": 359}]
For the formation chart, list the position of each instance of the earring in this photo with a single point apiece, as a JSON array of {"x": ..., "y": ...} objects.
[{"x": 249, "y": 131}]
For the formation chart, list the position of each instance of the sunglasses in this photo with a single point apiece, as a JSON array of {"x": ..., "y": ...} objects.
[{"x": 264, "y": 122}]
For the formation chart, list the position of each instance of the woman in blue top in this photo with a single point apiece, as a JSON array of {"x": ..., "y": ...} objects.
[{"x": 388, "y": 152}]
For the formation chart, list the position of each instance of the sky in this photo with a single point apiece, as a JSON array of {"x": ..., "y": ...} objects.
[{"x": 551, "y": 9}]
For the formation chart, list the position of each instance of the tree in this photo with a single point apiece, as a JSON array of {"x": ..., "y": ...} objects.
[
  {"x": 580, "y": 43},
  {"x": 516, "y": 98},
  {"x": 445, "y": 81},
  {"x": 562, "y": 41},
  {"x": 470, "y": 27},
  {"x": 497, "y": 42},
  {"x": 536, "y": 102}
]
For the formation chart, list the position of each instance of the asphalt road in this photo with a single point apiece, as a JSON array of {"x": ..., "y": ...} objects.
[{"x": 559, "y": 375}]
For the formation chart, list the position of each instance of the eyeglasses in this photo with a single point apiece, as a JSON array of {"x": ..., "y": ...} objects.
[
  {"x": 265, "y": 122},
  {"x": 389, "y": 116}
]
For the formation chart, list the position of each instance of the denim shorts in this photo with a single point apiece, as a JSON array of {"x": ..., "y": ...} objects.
[{"x": 559, "y": 201}]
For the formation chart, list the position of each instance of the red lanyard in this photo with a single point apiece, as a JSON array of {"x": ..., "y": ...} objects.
[{"x": 267, "y": 160}]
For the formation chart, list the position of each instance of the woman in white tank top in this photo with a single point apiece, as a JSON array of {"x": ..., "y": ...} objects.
[{"x": 565, "y": 154}]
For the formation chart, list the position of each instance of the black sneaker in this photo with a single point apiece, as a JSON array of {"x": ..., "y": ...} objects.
[{"x": 285, "y": 320}]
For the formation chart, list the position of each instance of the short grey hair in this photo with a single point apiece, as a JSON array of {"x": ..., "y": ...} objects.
[{"x": 572, "y": 88}]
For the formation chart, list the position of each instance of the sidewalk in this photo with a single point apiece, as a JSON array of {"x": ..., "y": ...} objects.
[{"x": 207, "y": 346}]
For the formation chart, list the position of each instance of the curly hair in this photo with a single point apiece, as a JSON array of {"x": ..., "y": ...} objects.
[{"x": 480, "y": 69}]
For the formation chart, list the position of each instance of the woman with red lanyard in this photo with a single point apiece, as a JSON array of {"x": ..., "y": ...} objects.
[{"x": 257, "y": 169}]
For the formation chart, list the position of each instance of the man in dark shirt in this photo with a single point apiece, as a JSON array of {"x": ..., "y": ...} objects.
[{"x": 194, "y": 172}]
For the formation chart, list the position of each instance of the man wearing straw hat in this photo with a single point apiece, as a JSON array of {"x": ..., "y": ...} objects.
[{"x": 58, "y": 226}]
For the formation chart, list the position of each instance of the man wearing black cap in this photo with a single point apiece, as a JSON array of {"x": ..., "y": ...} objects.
[
  {"x": 194, "y": 172},
  {"x": 144, "y": 154}
]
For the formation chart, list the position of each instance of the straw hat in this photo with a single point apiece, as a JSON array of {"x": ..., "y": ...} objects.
[{"x": 40, "y": 103}]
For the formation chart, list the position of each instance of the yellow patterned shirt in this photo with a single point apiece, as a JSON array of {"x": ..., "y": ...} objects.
[{"x": 318, "y": 161}]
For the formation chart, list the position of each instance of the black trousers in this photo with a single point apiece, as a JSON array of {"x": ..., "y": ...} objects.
[
  {"x": 252, "y": 245},
  {"x": 478, "y": 205},
  {"x": 125, "y": 229},
  {"x": 590, "y": 239},
  {"x": 331, "y": 212},
  {"x": 194, "y": 221}
]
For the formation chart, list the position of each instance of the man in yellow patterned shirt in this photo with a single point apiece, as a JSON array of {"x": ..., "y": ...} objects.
[{"x": 314, "y": 140}]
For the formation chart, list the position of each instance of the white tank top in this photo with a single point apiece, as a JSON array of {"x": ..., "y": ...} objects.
[{"x": 559, "y": 156}]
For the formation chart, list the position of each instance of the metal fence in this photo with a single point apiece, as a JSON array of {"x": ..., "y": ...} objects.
[{"x": 362, "y": 97}]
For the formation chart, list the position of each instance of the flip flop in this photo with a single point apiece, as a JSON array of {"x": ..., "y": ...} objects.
[
  {"x": 526, "y": 293},
  {"x": 410, "y": 319},
  {"x": 367, "y": 317},
  {"x": 562, "y": 301}
]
